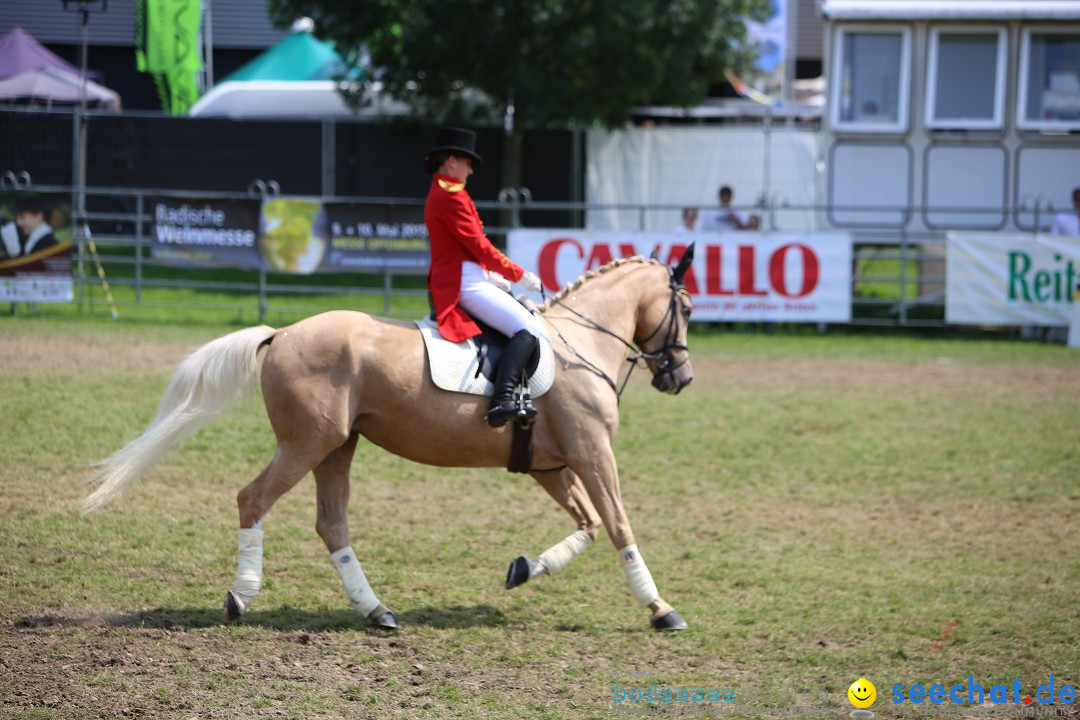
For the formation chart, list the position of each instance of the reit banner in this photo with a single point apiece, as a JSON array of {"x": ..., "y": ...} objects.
[
  {"x": 787, "y": 277},
  {"x": 1009, "y": 279}
]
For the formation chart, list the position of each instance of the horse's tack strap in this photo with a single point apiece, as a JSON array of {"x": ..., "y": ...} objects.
[
  {"x": 520, "y": 450},
  {"x": 454, "y": 365}
]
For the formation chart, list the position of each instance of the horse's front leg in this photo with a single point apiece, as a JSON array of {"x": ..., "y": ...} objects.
[
  {"x": 567, "y": 490},
  {"x": 599, "y": 474},
  {"x": 332, "y": 524}
]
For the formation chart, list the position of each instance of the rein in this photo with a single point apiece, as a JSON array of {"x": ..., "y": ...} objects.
[{"x": 670, "y": 319}]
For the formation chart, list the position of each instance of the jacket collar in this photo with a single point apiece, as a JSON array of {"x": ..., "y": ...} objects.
[{"x": 448, "y": 183}]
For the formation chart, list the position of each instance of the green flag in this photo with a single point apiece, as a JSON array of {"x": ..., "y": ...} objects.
[{"x": 167, "y": 45}]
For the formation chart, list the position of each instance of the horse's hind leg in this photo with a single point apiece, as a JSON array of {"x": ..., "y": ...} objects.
[
  {"x": 567, "y": 490},
  {"x": 286, "y": 469},
  {"x": 332, "y": 524}
]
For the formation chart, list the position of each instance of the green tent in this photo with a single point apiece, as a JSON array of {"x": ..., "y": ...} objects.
[{"x": 300, "y": 56}]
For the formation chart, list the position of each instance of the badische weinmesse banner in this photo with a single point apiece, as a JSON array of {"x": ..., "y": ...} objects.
[
  {"x": 300, "y": 235},
  {"x": 789, "y": 277}
]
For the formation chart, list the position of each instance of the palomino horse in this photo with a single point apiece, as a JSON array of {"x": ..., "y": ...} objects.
[{"x": 333, "y": 377}]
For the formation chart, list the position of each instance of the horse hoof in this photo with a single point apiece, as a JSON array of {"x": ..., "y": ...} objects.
[
  {"x": 233, "y": 609},
  {"x": 519, "y": 572},
  {"x": 385, "y": 621},
  {"x": 669, "y": 623}
]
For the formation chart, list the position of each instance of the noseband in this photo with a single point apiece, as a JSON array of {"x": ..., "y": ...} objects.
[{"x": 665, "y": 363}]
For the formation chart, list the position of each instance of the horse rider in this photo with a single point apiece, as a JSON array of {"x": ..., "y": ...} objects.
[{"x": 469, "y": 277}]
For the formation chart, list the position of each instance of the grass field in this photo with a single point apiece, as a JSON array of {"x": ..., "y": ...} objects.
[{"x": 817, "y": 508}]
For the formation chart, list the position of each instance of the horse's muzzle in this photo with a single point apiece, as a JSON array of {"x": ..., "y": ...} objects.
[{"x": 668, "y": 383}]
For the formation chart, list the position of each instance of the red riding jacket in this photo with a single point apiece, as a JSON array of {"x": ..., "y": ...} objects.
[{"x": 456, "y": 235}]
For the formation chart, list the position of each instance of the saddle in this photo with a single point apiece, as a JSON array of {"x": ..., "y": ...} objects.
[{"x": 469, "y": 366}]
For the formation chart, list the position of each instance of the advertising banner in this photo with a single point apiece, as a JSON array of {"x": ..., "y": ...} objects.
[
  {"x": 376, "y": 236},
  {"x": 35, "y": 248},
  {"x": 293, "y": 234},
  {"x": 299, "y": 235},
  {"x": 1003, "y": 279},
  {"x": 746, "y": 276},
  {"x": 206, "y": 233}
]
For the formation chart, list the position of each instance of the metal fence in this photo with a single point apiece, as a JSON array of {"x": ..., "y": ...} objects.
[{"x": 898, "y": 277}]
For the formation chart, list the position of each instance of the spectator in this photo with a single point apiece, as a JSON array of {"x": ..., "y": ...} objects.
[
  {"x": 36, "y": 234},
  {"x": 725, "y": 217},
  {"x": 689, "y": 221},
  {"x": 1068, "y": 223}
]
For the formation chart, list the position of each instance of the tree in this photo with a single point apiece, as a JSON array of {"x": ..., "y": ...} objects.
[{"x": 538, "y": 63}]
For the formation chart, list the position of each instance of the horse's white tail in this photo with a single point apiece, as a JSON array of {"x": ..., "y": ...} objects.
[{"x": 207, "y": 381}]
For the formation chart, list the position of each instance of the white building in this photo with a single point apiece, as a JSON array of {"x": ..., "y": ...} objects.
[{"x": 950, "y": 114}]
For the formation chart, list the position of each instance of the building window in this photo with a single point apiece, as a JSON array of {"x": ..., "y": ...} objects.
[
  {"x": 870, "y": 80},
  {"x": 1049, "y": 80},
  {"x": 965, "y": 85}
]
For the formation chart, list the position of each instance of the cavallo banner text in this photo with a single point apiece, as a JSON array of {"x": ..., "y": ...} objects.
[{"x": 792, "y": 277}]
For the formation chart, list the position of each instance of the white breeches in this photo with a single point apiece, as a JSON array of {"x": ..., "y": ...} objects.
[{"x": 491, "y": 305}]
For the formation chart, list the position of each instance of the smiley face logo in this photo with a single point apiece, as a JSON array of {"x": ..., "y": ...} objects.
[{"x": 862, "y": 693}]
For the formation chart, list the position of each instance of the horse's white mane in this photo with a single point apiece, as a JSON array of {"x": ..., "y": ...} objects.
[{"x": 590, "y": 274}]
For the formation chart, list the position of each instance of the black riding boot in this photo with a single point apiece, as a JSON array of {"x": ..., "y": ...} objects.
[{"x": 511, "y": 367}]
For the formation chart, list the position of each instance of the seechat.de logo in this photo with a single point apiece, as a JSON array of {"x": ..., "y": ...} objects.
[{"x": 862, "y": 694}]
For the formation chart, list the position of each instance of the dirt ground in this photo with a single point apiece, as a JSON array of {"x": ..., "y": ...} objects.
[
  {"x": 119, "y": 668},
  {"x": 100, "y": 667},
  {"x": 57, "y": 354}
]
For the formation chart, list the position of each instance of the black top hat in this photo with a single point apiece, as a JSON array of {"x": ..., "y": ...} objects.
[{"x": 455, "y": 141}]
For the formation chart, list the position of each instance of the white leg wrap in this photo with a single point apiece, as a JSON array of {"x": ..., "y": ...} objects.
[
  {"x": 557, "y": 557},
  {"x": 638, "y": 575},
  {"x": 249, "y": 564},
  {"x": 352, "y": 575}
]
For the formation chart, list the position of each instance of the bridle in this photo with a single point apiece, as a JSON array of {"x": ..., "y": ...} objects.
[
  {"x": 663, "y": 356},
  {"x": 665, "y": 363}
]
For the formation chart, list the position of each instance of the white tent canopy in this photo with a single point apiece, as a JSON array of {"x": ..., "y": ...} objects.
[{"x": 282, "y": 98}]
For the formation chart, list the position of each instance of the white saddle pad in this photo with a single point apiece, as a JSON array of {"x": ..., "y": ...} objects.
[{"x": 454, "y": 365}]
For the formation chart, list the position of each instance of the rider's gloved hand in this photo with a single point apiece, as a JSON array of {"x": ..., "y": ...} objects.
[
  {"x": 530, "y": 281},
  {"x": 499, "y": 281}
]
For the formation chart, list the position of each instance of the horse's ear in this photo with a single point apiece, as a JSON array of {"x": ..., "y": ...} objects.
[
  {"x": 655, "y": 254},
  {"x": 684, "y": 264}
]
